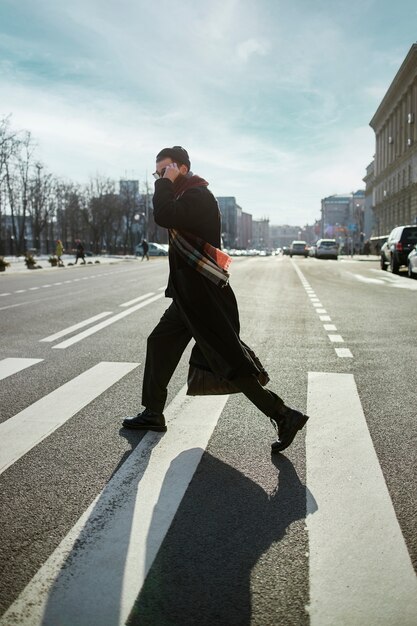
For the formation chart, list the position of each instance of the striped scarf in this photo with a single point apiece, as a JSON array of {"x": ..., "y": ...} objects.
[{"x": 202, "y": 256}]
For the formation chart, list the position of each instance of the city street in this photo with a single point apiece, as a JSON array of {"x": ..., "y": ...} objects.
[{"x": 201, "y": 525}]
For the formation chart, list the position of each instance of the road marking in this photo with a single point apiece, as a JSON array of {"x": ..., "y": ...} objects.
[
  {"x": 33, "y": 288},
  {"x": 101, "y": 325},
  {"x": 336, "y": 338},
  {"x": 146, "y": 295},
  {"x": 70, "y": 329},
  {"x": 45, "y": 286},
  {"x": 340, "y": 352},
  {"x": 12, "y": 365},
  {"x": 96, "y": 573},
  {"x": 365, "y": 279},
  {"x": 344, "y": 353},
  {"x": 26, "y": 429},
  {"x": 6, "y": 294},
  {"x": 360, "y": 569},
  {"x": 20, "y": 291}
]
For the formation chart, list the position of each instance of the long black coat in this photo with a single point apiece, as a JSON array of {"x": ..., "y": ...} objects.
[{"x": 209, "y": 311}]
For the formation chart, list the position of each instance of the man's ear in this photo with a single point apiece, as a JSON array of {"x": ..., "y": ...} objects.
[{"x": 183, "y": 169}]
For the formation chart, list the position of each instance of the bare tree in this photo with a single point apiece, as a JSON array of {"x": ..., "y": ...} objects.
[{"x": 41, "y": 206}]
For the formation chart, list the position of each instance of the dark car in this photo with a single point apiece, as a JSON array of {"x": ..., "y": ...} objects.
[
  {"x": 412, "y": 263},
  {"x": 398, "y": 246},
  {"x": 299, "y": 247}
]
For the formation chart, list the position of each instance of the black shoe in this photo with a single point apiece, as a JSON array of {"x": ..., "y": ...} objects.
[
  {"x": 288, "y": 423},
  {"x": 147, "y": 420}
]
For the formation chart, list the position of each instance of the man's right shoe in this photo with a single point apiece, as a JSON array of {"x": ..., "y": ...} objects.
[
  {"x": 147, "y": 420},
  {"x": 289, "y": 422}
]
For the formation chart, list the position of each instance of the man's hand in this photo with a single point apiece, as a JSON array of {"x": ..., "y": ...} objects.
[{"x": 171, "y": 172}]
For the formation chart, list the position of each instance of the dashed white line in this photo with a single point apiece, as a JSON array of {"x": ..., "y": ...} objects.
[
  {"x": 97, "y": 327},
  {"x": 344, "y": 353},
  {"x": 315, "y": 301},
  {"x": 145, "y": 295},
  {"x": 336, "y": 338},
  {"x": 70, "y": 329}
]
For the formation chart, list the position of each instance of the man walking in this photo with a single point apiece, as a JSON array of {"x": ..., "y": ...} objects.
[
  {"x": 79, "y": 252},
  {"x": 145, "y": 250},
  {"x": 203, "y": 306}
]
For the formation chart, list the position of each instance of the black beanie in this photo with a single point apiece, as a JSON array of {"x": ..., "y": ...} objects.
[{"x": 176, "y": 153}]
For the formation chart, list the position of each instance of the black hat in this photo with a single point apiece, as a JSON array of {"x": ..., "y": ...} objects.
[{"x": 176, "y": 153}]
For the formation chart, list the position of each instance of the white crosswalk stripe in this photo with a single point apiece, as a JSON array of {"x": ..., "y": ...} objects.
[
  {"x": 23, "y": 431},
  {"x": 12, "y": 365},
  {"x": 360, "y": 570}
]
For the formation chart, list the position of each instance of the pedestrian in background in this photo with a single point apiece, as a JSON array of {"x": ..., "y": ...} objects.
[
  {"x": 203, "y": 307},
  {"x": 59, "y": 251},
  {"x": 79, "y": 252},
  {"x": 145, "y": 250}
]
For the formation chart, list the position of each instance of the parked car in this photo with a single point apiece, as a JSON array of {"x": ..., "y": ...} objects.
[
  {"x": 327, "y": 249},
  {"x": 285, "y": 250},
  {"x": 412, "y": 263},
  {"x": 155, "y": 249},
  {"x": 312, "y": 250},
  {"x": 299, "y": 248},
  {"x": 398, "y": 246}
]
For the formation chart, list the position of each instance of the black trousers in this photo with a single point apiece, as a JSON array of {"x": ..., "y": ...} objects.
[{"x": 165, "y": 347}]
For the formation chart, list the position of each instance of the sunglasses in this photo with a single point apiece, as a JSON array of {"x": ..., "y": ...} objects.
[{"x": 157, "y": 175}]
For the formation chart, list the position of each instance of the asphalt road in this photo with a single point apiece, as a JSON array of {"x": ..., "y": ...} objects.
[{"x": 233, "y": 542}]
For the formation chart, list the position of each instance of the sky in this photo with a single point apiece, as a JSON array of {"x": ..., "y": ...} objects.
[{"x": 271, "y": 98}]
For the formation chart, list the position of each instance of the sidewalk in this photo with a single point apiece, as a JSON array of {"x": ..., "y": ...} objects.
[
  {"x": 359, "y": 257},
  {"x": 17, "y": 264}
]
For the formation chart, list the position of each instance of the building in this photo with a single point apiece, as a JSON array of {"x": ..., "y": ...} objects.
[
  {"x": 283, "y": 236},
  {"x": 245, "y": 235},
  {"x": 260, "y": 234},
  {"x": 394, "y": 186},
  {"x": 369, "y": 221},
  {"x": 343, "y": 218},
  {"x": 231, "y": 214}
]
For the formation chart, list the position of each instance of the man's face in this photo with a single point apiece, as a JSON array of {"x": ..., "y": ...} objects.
[{"x": 161, "y": 167}]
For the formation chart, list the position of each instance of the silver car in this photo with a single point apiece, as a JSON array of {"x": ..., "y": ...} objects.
[
  {"x": 327, "y": 249},
  {"x": 412, "y": 263}
]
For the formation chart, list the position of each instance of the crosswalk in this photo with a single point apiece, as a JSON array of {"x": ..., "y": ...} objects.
[{"x": 360, "y": 569}]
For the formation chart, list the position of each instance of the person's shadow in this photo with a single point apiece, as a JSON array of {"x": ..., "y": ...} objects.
[{"x": 202, "y": 573}]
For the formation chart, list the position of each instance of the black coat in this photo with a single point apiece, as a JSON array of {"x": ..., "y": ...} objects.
[{"x": 209, "y": 311}]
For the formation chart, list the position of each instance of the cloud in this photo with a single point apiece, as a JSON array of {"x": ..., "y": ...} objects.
[{"x": 248, "y": 48}]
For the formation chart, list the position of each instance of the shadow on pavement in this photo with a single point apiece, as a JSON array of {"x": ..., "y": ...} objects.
[{"x": 225, "y": 523}]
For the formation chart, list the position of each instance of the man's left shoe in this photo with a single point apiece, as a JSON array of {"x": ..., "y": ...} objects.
[{"x": 289, "y": 422}]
